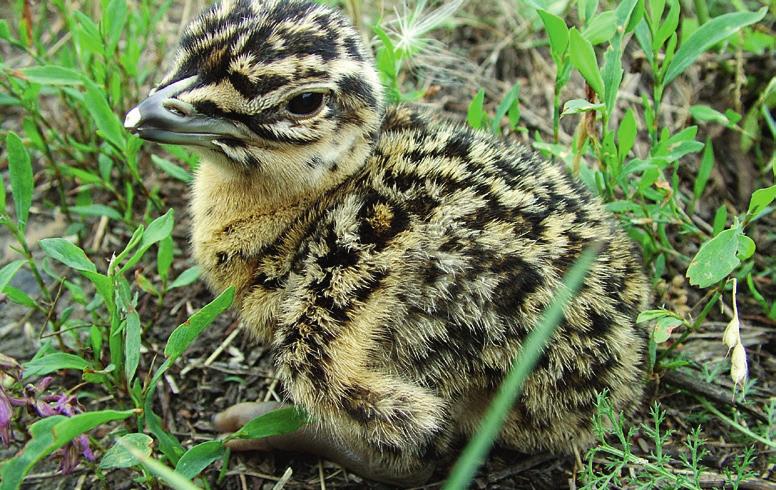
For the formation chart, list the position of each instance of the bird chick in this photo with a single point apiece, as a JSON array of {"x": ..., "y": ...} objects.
[{"x": 394, "y": 263}]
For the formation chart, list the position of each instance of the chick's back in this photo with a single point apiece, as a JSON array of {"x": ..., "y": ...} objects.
[{"x": 426, "y": 270}]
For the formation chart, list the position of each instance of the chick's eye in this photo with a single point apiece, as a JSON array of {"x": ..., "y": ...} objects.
[{"x": 306, "y": 103}]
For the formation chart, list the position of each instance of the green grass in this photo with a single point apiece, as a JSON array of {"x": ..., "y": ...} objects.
[{"x": 652, "y": 175}]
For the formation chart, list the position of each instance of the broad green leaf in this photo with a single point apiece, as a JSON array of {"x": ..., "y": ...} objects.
[
  {"x": 715, "y": 260},
  {"x": 13, "y": 471},
  {"x": 276, "y": 422},
  {"x": 578, "y": 106},
  {"x": 71, "y": 427},
  {"x": 21, "y": 177},
  {"x": 705, "y": 113},
  {"x": 119, "y": 457},
  {"x": 663, "y": 328},
  {"x": 54, "y": 362},
  {"x": 601, "y": 28},
  {"x": 746, "y": 247},
  {"x": 68, "y": 253},
  {"x": 626, "y": 134},
  {"x": 104, "y": 117},
  {"x": 184, "y": 335},
  {"x": 52, "y": 75},
  {"x": 707, "y": 36},
  {"x": 172, "y": 169},
  {"x": 704, "y": 172},
  {"x": 96, "y": 210},
  {"x": 761, "y": 199},
  {"x": 48, "y": 435},
  {"x": 187, "y": 277},
  {"x": 159, "y": 228},
  {"x": 557, "y": 32},
  {"x": 132, "y": 344},
  {"x": 475, "y": 115},
  {"x": 582, "y": 56},
  {"x": 199, "y": 457},
  {"x": 8, "y": 271}
]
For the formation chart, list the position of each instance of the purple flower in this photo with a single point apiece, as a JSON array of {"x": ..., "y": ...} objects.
[
  {"x": 5, "y": 418},
  {"x": 32, "y": 397}
]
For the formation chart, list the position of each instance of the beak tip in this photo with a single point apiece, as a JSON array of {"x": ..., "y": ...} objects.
[{"x": 132, "y": 119}]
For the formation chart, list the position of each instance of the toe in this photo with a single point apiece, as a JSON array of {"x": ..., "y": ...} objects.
[{"x": 240, "y": 414}]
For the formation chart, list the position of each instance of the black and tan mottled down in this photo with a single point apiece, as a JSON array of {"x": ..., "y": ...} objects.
[{"x": 395, "y": 264}]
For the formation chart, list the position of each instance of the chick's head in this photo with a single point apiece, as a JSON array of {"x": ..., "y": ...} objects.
[{"x": 283, "y": 88}]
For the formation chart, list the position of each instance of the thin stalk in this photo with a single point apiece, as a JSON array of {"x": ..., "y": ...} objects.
[{"x": 711, "y": 408}]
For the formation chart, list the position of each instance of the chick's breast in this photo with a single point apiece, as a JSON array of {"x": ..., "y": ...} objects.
[{"x": 430, "y": 266}]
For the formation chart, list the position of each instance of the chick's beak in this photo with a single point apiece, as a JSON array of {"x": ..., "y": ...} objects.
[{"x": 165, "y": 119}]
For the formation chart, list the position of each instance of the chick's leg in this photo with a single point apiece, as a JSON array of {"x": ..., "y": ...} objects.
[{"x": 313, "y": 439}]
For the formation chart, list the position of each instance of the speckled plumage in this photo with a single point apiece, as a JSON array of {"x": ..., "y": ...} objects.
[{"x": 395, "y": 263}]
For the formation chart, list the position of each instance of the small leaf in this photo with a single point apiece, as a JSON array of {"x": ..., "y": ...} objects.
[
  {"x": 187, "y": 277},
  {"x": 276, "y": 422},
  {"x": 199, "y": 457},
  {"x": 649, "y": 315},
  {"x": 52, "y": 75},
  {"x": 664, "y": 327},
  {"x": 96, "y": 210},
  {"x": 761, "y": 199},
  {"x": 159, "y": 229},
  {"x": 601, "y": 28},
  {"x": 21, "y": 177},
  {"x": 746, "y": 247},
  {"x": 704, "y": 172},
  {"x": 705, "y": 113},
  {"x": 715, "y": 260},
  {"x": 71, "y": 427},
  {"x": 105, "y": 119},
  {"x": 68, "y": 253},
  {"x": 557, "y": 32},
  {"x": 583, "y": 58},
  {"x": 184, "y": 335},
  {"x": 54, "y": 362},
  {"x": 113, "y": 21},
  {"x": 119, "y": 457},
  {"x": 707, "y": 36},
  {"x": 475, "y": 115},
  {"x": 164, "y": 257},
  {"x": 578, "y": 106},
  {"x": 720, "y": 220},
  {"x": 8, "y": 271},
  {"x": 132, "y": 344},
  {"x": 172, "y": 169},
  {"x": 626, "y": 135}
]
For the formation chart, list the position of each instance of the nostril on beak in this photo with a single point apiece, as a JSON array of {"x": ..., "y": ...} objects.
[{"x": 179, "y": 107}]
